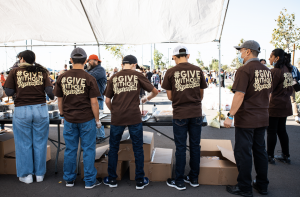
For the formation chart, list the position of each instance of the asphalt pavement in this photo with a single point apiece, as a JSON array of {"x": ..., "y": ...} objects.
[{"x": 284, "y": 179}]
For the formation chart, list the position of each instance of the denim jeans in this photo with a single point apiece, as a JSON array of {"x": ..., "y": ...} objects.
[
  {"x": 2, "y": 126},
  {"x": 136, "y": 135},
  {"x": 86, "y": 132},
  {"x": 31, "y": 129},
  {"x": 181, "y": 127},
  {"x": 100, "y": 131}
]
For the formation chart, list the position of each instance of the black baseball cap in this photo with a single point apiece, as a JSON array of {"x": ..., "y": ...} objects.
[
  {"x": 130, "y": 59},
  {"x": 78, "y": 53}
]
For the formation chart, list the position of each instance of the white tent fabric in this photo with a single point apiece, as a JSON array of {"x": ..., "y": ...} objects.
[{"x": 113, "y": 21}]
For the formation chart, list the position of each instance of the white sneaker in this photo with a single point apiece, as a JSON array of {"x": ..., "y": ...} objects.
[
  {"x": 39, "y": 178},
  {"x": 27, "y": 179},
  {"x": 297, "y": 119}
]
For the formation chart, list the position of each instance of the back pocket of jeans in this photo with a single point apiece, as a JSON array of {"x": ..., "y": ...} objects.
[
  {"x": 20, "y": 112},
  {"x": 43, "y": 110},
  {"x": 180, "y": 122},
  {"x": 199, "y": 121}
]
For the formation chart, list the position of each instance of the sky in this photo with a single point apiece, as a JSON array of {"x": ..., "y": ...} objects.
[{"x": 250, "y": 20}]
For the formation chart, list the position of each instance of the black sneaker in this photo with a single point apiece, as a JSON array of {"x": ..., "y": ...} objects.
[
  {"x": 98, "y": 182},
  {"x": 110, "y": 182},
  {"x": 140, "y": 184},
  {"x": 171, "y": 183},
  {"x": 70, "y": 183},
  {"x": 271, "y": 160},
  {"x": 193, "y": 183},
  {"x": 237, "y": 191},
  {"x": 256, "y": 187},
  {"x": 283, "y": 158}
]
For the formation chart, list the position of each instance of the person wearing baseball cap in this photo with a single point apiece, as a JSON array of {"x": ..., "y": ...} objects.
[
  {"x": 77, "y": 93},
  {"x": 252, "y": 88},
  {"x": 185, "y": 84},
  {"x": 96, "y": 70},
  {"x": 122, "y": 99}
]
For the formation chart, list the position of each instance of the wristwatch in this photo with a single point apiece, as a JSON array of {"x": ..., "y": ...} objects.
[{"x": 230, "y": 116}]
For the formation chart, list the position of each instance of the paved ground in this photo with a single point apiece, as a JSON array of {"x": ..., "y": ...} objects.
[{"x": 284, "y": 179}]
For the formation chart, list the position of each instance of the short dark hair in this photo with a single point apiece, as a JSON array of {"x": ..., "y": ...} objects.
[
  {"x": 181, "y": 55},
  {"x": 254, "y": 53},
  {"x": 78, "y": 60},
  {"x": 262, "y": 60}
]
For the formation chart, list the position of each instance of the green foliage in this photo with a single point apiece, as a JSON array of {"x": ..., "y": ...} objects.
[
  {"x": 297, "y": 97},
  {"x": 229, "y": 87},
  {"x": 158, "y": 59},
  {"x": 235, "y": 62},
  {"x": 225, "y": 67},
  {"x": 286, "y": 33},
  {"x": 118, "y": 51},
  {"x": 214, "y": 65},
  {"x": 199, "y": 61}
]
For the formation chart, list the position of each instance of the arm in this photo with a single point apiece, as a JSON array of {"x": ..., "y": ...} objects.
[
  {"x": 9, "y": 92},
  {"x": 201, "y": 94},
  {"x": 108, "y": 103},
  {"x": 60, "y": 105},
  {"x": 236, "y": 104},
  {"x": 169, "y": 94},
  {"x": 153, "y": 94},
  {"x": 95, "y": 108},
  {"x": 49, "y": 91}
]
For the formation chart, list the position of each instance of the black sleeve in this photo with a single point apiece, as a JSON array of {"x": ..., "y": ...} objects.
[
  {"x": 48, "y": 91},
  {"x": 9, "y": 92}
]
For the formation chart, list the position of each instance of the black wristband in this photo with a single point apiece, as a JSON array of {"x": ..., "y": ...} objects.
[{"x": 61, "y": 115}]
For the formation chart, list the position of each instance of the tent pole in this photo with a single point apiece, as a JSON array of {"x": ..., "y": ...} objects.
[
  {"x": 99, "y": 51},
  {"x": 220, "y": 80},
  {"x": 90, "y": 26}
]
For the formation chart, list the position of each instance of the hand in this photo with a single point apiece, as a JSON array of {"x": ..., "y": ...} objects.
[
  {"x": 228, "y": 123},
  {"x": 98, "y": 124},
  {"x": 144, "y": 99},
  {"x": 62, "y": 120}
]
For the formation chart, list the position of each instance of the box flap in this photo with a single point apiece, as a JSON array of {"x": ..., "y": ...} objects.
[
  {"x": 100, "y": 151},
  {"x": 6, "y": 136},
  {"x": 125, "y": 135},
  {"x": 147, "y": 137},
  {"x": 228, "y": 154},
  {"x": 162, "y": 155},
  {"x": 211, "y": 144}
]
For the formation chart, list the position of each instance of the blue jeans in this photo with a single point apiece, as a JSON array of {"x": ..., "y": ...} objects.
[
  {"x": 2, "y": 126},
  {"x": 136, "y": 135},
  {"x": 72, "y": 132},
  {"x": 31, "y": 129},
  {"x": 100, "y": 131},
  {"x": 181, "y": 127}
]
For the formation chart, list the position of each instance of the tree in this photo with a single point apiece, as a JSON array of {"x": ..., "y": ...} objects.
[
  {"x": 118, "y": 51},
  {"x": 235, "y": 62},
  {"x": 224, "y": 67},
  {"x": 287, "y": 33},
  {"x": 214, "y": 65},
  {"x": 199, "y": 61},
  {"x": 158, "y": 59}
]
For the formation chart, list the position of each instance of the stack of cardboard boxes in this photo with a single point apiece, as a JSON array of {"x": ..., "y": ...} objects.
[
  {"x": 158, "y": 162},
  {"x": 8, "y": 155}
]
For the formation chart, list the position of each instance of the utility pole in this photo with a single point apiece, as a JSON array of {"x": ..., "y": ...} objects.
[
  {"x": 151, "y": 58},
  {"x": 293, "y": 60}
]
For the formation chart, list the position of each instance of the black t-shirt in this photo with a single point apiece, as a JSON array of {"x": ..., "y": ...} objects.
[{"x": 149, "y": 75}]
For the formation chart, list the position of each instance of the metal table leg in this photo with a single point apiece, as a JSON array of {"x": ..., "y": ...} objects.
[{"x": 58, "y": 147}]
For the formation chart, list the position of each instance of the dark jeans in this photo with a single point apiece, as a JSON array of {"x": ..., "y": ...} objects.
[
  {"x": 246, "y": 141},
  {"x": 181, "y": 127},
  {"x": 277, "y": 126},
  {"x": 136, "y": 135}
]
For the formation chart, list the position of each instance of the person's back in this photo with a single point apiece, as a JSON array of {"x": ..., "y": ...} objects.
[{"x": 149, "y": 75}]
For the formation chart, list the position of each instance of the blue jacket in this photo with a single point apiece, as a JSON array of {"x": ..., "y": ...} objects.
[
  {"x": 296, "y": 73},
  {"x": 100, "y": 75}
]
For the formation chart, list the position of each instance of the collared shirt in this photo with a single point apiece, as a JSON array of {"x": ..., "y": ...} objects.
[{"x": 250, "y": 60}]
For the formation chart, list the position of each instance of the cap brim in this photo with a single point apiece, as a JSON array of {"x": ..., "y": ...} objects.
[
  {"x": 137, "y": 66},
  {"x": 238, "y": 47}
]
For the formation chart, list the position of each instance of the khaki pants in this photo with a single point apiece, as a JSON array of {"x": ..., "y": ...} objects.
[{"x": 294, "y": 105}]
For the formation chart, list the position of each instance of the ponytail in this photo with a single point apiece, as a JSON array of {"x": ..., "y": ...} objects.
[
  {"x": 30, "y": 65},
  {"x": 284, "y": 59}
]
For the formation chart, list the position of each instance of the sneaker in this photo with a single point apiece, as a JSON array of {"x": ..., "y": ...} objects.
[
  {"x": 98, "y": 182},
  {"x": 171, "y": 183},
  {"x": 261, "y": 191},
  {"x": 39, "y": 178},
  {"x": 110, "y": 182},
  {"x": 140, "y": 184},
  {"x": 26, "y": 179},
  {"x": 193, "y": 183},
  {"x": 70, "y": 183},
  {"x": 283, "y": 158},
  {"x": 271, "y": 160},
  {"x": 237, "y": 191}
]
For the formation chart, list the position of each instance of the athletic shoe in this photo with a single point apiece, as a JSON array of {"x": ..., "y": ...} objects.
[
  {"x": 98, "y": 182},
  {"x": 283, "y": 158},
  {"x": 271, "y": 160},
  {"x": 237, "y": 191},
  {"x": 179, "y": 186},
  {"x": 193, "y": 183},
  {"x": 140, "y": 184},
  {"x": 26, "y": 179},
  {"x": 39, "y": 178},
  {"x": 110, "y": 182},
  {"x": 261, "y": 191},
  {"x": 70, "y": 183}
]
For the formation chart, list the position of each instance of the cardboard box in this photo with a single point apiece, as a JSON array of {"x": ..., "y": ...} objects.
[
  {"x": 7, "y": 143},
  {"x": 217, "y": 172},
  {"x": 8, "y": 163},
  {"x": 126, "y": 151},
  {"x": 101, "y": 164},
  {"x": 159, "y": 168}
]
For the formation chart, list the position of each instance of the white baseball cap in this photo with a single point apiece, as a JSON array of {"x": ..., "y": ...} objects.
[{"x": 176, "y": 50}]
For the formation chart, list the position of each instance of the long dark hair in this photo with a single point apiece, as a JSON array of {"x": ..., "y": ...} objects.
[
  {"x": 284, "y": 59},
  {"x": 29, "y": 57}
]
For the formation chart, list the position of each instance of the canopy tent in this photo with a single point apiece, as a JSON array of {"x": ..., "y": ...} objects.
[{"x": 113, "y": 21}]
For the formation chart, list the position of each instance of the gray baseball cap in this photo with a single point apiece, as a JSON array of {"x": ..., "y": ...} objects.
[
  {"x": 78, "y": 53},
  {"x": 249, "y": 44}
]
